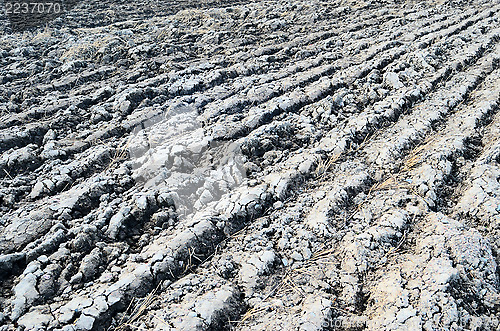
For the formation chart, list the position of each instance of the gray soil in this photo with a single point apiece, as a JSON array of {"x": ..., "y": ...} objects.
[{"x": 259, "y": 165}]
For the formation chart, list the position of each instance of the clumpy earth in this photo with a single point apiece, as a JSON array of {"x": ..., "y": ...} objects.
[{"x": 258, "y": 165}]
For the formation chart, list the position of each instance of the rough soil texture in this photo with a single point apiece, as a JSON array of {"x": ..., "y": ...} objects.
[{"x": 264, "y": 165}]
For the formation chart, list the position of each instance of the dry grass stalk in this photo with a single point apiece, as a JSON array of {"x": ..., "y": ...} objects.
[
  {"x": 323, "y": 166},
  {"x": 389, "y": 183},
  {"x": 120, "y": 154},
  {"x": 287, "y": 283},
  {"x": 416, "y": 155},
  {"x": 139, "y": 308}
]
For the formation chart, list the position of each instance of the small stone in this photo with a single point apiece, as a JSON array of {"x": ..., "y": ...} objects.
[
  {"x": 43, "y": 259},
  {"x": 76, "y": 278},
  {"x": 50, "y": 135},
  {"x": 34, "y": 320},
  {"x": 278, "y": 205},
  {"x": 25, "y": 294},
  {"x": 297, "y": 256},
  {"x": 405, "y": 314},
  {"x": 391, "y": 79},
  {"x": 85, "y": 323},
  {"x": 306, "y": 253},
  {"x": 114, "y": 297}
]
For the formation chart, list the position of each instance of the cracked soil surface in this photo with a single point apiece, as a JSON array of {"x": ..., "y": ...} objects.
[{"x": 258, "y": 165}]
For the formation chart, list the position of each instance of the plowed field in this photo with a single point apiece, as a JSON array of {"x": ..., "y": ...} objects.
[{"x": 263, "y": 165}]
